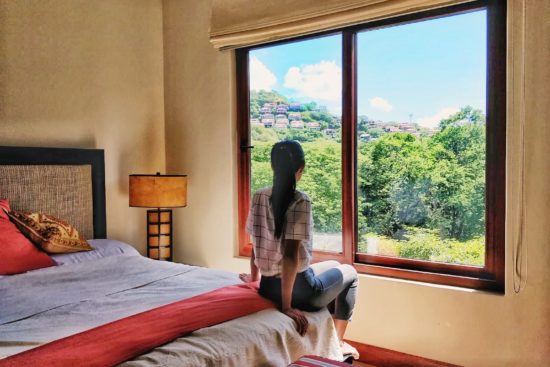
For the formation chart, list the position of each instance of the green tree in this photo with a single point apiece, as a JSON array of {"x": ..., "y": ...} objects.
[{"x": 262, "y": 134}]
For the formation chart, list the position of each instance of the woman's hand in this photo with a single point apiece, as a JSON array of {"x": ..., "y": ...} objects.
[
  {"x": 247, "y": 278},
  {"x": 299, "y": 318}
]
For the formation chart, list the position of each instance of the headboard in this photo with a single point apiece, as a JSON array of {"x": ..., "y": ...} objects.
[{"x": 64, "y": 182}]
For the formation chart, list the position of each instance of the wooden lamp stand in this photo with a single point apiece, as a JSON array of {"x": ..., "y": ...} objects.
[{"x": 159, "y": 234}]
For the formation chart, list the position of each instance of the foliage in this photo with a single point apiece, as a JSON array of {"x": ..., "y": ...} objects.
[
  {"x": 261, "y": 134},
  {"x": 422, "y": 244},
  {"x": 321, "y": 179},
  {"x": 418, "y": 197},
  {"x": 434, "y": 183}
]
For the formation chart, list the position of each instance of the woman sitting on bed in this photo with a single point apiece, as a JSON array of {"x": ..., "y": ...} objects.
[{"x": 281, "y": 225}]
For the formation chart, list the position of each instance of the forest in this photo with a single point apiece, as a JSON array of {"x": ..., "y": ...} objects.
[{"x": 420, "y": 196}]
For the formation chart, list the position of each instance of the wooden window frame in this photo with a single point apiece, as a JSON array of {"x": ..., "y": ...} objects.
[{"x": 489, "y": 277}]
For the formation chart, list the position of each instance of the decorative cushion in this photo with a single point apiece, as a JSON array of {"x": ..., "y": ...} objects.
[
  {"x": 51, "y": 234},
  {"x": 17, "y": 253},
  {"x": 4, "y": 208}
]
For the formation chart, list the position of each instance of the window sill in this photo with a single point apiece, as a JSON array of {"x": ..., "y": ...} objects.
[
  {"x": 430, "y": 279},
  {"x": 455, "y": 281}
]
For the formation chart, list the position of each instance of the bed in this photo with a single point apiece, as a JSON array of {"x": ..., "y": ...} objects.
[{"x": 113, "y": 282}]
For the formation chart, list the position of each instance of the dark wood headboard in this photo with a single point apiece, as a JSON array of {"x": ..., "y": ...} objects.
[{"x": 93, "y": 158}]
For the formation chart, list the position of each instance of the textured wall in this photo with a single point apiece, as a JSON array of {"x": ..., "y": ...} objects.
[
  {"x": 454, "y": 325},
  {"x": 87, "y": 74}
]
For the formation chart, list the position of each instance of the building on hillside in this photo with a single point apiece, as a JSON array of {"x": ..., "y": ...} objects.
[
  {"x": 281, "y": 109},
  {"x": 280, "y": 125},
  {"x": 270, "y": 104},
  {"x": 265, "y": 109},
  {"x": 255, "y": 121},
  {"x": 330, "y": 132},
  {"x": 297, "y": 124},
  {"x": 407, "y": 127},
  {"x": 365, "y": 137},
  {"x": 281, "y": 121},
  {"x": 268, "y": 122},
  {"x": 280, "y": 116},
  {"x": 391, "y": 129},
  {"x": 296, "y": 107},
  {"x": 294, "y": 116},
  {"x": 268, "y": 116},
  {"x": 314, "y": 125}
]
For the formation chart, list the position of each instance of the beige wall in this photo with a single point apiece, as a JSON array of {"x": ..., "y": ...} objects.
[
  {"x": 90, "y": 74},
  {"x": 87, "y": 74},
  {"x": 453, "y": 325}
]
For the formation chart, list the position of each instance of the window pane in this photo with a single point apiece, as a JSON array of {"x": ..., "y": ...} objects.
[
  {"x": 421, "y": 140},
  {"x": 295, "y": 93}
]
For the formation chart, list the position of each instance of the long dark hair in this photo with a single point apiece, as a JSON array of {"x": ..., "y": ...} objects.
[{"x": 287, "y": 157}]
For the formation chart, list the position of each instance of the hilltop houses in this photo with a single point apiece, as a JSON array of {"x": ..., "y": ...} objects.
[
  {"x": 280, "y": 115},
  {"x": 284, "y": 116}
]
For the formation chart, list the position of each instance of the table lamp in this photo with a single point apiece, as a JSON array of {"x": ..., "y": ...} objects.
[{"x": 160, "y": 192}]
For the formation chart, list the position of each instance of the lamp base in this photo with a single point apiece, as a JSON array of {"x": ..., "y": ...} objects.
[{"x": 159, "y": 234}]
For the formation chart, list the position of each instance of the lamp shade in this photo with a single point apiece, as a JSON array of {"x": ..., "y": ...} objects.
[{"x": 158, "y": 191}]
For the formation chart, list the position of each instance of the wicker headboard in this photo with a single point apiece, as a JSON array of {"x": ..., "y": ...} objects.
[{"x": 66, "y": 183}]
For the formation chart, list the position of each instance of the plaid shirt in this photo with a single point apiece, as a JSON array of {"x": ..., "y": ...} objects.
[{"x": 261, "y": 226}]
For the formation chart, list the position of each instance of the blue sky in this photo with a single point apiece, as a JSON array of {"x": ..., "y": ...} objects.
[{"x": 426, "y": 69}]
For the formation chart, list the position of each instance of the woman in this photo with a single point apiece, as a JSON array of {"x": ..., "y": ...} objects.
[{"x": 281, "y": 225}]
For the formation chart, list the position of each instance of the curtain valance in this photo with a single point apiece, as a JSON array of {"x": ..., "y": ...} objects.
[{"x": 239, "y": 23}]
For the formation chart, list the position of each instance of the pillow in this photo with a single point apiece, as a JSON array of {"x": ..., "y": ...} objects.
[
  {"x": 4, "y": 208},
  {"x": 102, "y": 248},
  {"x": 51, "y": 234},
  {"x": 17, "y": 253}
]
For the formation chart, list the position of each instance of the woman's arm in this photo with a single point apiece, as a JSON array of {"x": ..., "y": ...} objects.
[
  {"x": 288, "y": 277},
  {"x": 288, "y": 273},
  {"x": 254, "y": 271}
]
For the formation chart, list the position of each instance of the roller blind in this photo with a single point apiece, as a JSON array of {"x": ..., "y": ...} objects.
[{"x": 240, "y": 23}]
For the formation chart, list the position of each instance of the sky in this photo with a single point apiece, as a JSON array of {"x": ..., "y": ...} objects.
[{"x": 420, "y": 72}]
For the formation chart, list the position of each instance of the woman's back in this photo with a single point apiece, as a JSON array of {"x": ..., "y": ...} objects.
[{"x": 261, "y": 226}]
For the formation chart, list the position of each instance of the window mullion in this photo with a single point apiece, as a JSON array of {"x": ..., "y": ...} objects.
[
  {"x": 243, "y": 133},
  {"x": 349, "y": 123}
]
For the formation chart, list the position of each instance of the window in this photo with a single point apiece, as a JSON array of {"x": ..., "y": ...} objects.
[
  {"x": 281, "y": 109},
  {"x": 403, "y": 126}
]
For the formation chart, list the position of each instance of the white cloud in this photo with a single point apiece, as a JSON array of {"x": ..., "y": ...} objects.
[
  {"x": 381, "y": 104},
  {"x": 433, "y": 121},
  {"x": 261, "y": 78},
  {"x": 321, "y": 82}
]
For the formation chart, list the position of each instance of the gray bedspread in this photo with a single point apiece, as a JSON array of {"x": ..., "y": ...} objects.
[
  {"x": 48, "y": 304},
  {"x": 51, "y": 303}
]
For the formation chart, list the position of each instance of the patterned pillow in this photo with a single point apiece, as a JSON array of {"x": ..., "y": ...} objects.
[
  {"x": 17, "y": 253},
  {"x": 51, "y": 234}
]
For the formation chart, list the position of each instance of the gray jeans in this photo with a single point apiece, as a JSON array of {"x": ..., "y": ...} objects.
[{"x": 325, "y": 284}]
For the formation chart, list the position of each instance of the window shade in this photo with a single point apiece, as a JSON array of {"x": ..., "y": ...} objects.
[{"x": 240, "y": 23}]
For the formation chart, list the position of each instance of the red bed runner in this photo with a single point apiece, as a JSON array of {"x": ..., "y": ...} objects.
[{"x": 118, "y": 341}]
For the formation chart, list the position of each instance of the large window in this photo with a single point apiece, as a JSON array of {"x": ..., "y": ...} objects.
[
  {"x": 403, "y": 126},
  {"x": 296, "y": 93}
]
